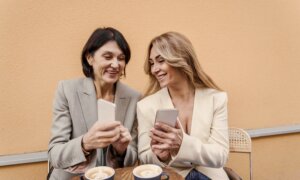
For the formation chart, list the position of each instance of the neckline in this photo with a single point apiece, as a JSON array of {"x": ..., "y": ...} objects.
[{"x": 169, "y": 104}]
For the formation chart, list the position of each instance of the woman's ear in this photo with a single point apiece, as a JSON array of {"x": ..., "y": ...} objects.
[{"x": 90, "y": 59}]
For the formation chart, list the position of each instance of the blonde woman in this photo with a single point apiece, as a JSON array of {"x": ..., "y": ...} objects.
[{"x": 197, "y": 147}]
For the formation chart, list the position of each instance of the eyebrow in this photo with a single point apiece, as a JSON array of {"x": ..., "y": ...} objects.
[
  {"x": 110, "y": 52},
  {"x": 156, "y": 57}
]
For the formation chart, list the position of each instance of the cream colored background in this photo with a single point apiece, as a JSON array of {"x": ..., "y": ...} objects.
[{"x": 250, "y": 48}]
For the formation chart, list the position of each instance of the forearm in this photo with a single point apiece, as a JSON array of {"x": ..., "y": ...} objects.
[
  {"x": 201, "y": 153},
  {"x": 84, "y": 166},
  {"x": 132, "y": 149},
  {"x": 146, "y": 156},
  {"x": 126, "y": 158},
  {"x": 131, "y": 156},
  {"x": 64, "y": 155}
]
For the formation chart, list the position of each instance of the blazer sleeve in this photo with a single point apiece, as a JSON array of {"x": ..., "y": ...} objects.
[
  {"x": 63, "y": 151},
  {"x": 129, "y": 159},
  {"x": 131, "y": 152},
  {"x": 146, "y": 156},
  {"x": 213, "y": 152}
]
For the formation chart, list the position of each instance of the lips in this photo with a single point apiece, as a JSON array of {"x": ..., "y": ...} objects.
[
  {"x": 112, "y": 73},
  {"x": 160, "y": 77}
]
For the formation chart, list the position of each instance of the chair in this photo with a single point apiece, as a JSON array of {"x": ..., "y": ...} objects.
[
  {"x": 50, "y": 169},
  {"x": 240, "y": 142}
]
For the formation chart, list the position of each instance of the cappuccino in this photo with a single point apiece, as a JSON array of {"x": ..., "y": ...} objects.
[
  {"x": 147, "y": 171},
  {"x": 100, "y": 173}
]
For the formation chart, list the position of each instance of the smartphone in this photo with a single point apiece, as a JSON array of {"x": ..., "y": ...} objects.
[
  {"x": 106, "y": 110},
  {"x": 167, "y": 116}
]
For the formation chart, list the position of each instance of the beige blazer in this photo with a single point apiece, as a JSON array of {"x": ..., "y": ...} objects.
[
  {"x": 75, "y": 112},
  {"x": 205, "y": 149}
]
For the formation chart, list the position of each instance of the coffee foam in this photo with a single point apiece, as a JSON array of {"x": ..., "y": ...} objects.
[
  {"x": 147, "y": 171},
  {"x": 99, "y": 173}
]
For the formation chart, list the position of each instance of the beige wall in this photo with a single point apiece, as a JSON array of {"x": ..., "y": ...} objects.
[
  {"x": 35, "y": 171},
  {"x": 250, "y": 48}
]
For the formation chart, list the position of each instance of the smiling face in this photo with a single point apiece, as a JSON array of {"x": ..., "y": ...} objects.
[
  {"x": 165, "y": 74},
  {"x": 108, "y": 63}
]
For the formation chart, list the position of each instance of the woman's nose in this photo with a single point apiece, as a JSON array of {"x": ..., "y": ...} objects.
[
  {"x": 155, "y": 68},
  {"x": 115, "y": 63}
]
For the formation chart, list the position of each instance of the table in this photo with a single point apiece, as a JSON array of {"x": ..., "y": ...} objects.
[{"x": 126, "y": 174}]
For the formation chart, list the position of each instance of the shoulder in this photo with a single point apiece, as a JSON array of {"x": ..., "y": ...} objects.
[
  {"x": 148, "y": 105},
  {"x": 216, "y": 96},
  {"x": 66, "y": 91},
  {"x": 214, "y": 93},
  {"x": 152, "y": 99},
  {"x": 72, "y": 85},
  {"x": 128, "y": 91}
]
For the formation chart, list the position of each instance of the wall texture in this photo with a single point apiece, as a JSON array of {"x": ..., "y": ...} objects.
[{"x": 250, "y": 48}]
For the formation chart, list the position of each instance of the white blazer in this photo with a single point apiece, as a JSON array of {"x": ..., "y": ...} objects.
[{"x": 205, "y": 149}]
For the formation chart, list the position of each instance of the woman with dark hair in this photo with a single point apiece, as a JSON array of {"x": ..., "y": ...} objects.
[
  {"x": 79, "y": 141},
  {"x": 197, "y": 147}
]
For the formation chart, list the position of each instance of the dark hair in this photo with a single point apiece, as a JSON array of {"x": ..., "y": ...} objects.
[{"x": 99, "y": 37}]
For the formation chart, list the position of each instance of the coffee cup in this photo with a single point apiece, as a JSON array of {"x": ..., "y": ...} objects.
[
  {"x": 100, "y": 173},
  {"x": 149, "y": 172}
]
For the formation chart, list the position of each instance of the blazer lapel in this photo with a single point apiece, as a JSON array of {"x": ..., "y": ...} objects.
[
  {"x": 199, "y": 112},
  {"x": 88, "y": 102},
  {"x": 122, "y": 101},
  {"x": 165, "y": 100},
  {"x": 200, "y": 103}
]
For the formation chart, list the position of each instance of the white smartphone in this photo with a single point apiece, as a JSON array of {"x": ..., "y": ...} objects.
[
  {"x": 106, "y": 110},
  {"x": 167, "y": 116}
]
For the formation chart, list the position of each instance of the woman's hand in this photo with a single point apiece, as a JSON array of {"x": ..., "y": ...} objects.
[
  {"x": 101, "y": 135},
  {"x": 121, "y": 144},
  {"x": 168, "y": 138},
  {"x": 163, "y": 155}
]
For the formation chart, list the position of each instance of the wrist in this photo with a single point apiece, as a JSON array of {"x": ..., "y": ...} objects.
[
  {"x": 165, "y": 159},
  {"x": 119, "y": 152},
  {"x": 118, "y": 158},
  {"x": 85, "y": 151}
]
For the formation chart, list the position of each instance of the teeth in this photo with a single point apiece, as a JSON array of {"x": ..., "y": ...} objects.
[{"x": 160, "y": 77}]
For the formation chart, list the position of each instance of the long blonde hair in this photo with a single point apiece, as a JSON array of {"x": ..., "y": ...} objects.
[{"x": 178, "y": 52}]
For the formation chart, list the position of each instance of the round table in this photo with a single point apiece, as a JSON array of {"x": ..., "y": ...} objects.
[{"x": 126, "y": 174}]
